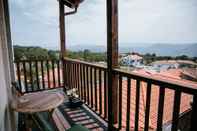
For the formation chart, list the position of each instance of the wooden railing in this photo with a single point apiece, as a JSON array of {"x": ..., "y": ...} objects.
[
  {"x": 38, "y": 75},
  {"x": 90, "y": 83},
  {"x": 90, "y": 80}
]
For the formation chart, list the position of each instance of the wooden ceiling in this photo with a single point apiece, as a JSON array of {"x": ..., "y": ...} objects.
[{"x": 72, "y": 3}]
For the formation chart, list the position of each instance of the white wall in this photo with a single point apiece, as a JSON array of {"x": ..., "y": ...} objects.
[
  {"x": 6, "y": 114},
  {"x": 3, "y": 91}
]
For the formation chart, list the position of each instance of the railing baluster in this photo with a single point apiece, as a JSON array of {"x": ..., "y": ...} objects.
[
  {"x": 120, "y": 103},
  {"x": 25, "y": 77},
  {"x": 160, "y": 108},
  {"x": 76, "y": 77},
  {"x": 105, "y": 95},
  {"x": 58, "y": 73},
  {"x": 91, "y": 87},
  {"x": 31, "y": 75},
  {"x": 147, "y": 110},
  {"x": 87, "y": 84},
  {"x": 19, "y": 75},
  {"x": 128, "y": 103},
  {"x": 70, "y": 77},
  {"x": 95, "y": 88},
  {"x": 70, "y": 74},
  {"x": 48, "y": 75},
  {"x": 81, "y": 81},
  {"x": 66, "y": 72},
  {"x": 193, "y": 126},
  {"x": 137, "y": 104},
  {"x": 176, "y": 108},
  {"x": 37, "y": 76},
  {"x": 42, "y": 71},
  {"x": 100, "y": 93},
  {"x": 73, "y": 76},
  {"x": 84, "y": 83},
  {"x": 53, "y": 70}
]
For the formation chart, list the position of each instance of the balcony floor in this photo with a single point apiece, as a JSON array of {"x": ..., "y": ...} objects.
[{"x": 84, "y": 116}]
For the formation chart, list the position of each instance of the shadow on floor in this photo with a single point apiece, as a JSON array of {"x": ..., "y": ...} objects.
[{"x": 82, "y": 116}]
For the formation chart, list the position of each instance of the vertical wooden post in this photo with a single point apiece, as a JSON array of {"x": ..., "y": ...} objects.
[
  {"x": 112, "y": 60},
  {"x": 62, "y": 38},
  {"x": 62, "y": 29}
]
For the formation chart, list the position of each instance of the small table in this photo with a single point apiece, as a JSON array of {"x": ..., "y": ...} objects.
[{"x": 38, "y": 102}]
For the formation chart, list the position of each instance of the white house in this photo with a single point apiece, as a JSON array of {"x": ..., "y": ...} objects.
[
  {"x": 172, "y": 64},
  {"x": 132, "y": 60},
  {"x": 165, "y": 64}
]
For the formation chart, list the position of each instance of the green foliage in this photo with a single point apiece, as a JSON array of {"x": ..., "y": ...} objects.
[
  {"x": 53, "y": 54},
  {"x": 182, "y": 57},
  {"x": 87, "y": 55},
  {"x": 32, "y": 53},
  {"x": 149, "y": 58}
]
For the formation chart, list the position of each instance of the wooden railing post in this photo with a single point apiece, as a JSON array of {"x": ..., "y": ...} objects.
[
  {"x": 62, "y": 28},
  {"x": 62, "y": 38},
  {"x": 112, "y": 60}
]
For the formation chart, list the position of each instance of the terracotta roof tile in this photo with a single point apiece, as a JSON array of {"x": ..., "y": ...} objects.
[{"x": 168, "y": 104}]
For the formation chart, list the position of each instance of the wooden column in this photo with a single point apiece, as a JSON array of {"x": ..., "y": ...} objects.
[
  {"x": 112, "y": 60},
  {"x": 62, "y": 38},
  {"x": 62, "y": 29}
]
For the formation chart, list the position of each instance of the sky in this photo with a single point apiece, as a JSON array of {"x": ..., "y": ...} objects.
[{"x": 141, "y": 22}]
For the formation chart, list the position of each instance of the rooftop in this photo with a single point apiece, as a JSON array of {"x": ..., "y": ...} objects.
[{"x": 175, "y": 62}]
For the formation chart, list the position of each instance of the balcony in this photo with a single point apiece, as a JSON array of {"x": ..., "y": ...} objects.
[
  {"x": 144, "y": 102},
  {"x": 113, "y": 99}
]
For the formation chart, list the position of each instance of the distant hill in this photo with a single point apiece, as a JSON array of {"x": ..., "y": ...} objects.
[
  {"x": 159, "y": 49},
  {"x": 174, "y": 50},
  {"x": 93, "y": 48}
]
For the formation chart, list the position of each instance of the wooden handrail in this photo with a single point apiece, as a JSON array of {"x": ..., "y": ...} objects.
[
  {"x": 85, "y": 63},
  {"x": 186, "y": 87}
]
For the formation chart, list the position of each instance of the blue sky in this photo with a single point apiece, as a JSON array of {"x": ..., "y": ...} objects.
[{"x": 35, "y": 22}]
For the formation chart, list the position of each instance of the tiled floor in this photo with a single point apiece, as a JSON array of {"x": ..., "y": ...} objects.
[{"x": 82, "y": 115}]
